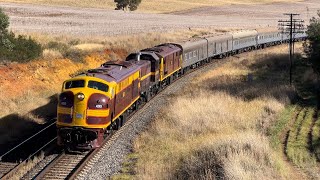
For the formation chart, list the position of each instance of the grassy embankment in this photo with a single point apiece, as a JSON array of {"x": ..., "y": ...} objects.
[
  {"x": 154, "y": 6},
  {"x": 299, "y": 124},
  {"x": 28, "y": 91},
  {"x": 224, "y": 126}
]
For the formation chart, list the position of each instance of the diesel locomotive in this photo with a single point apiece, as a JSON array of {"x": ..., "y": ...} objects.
[{"x": 96, "y": 102}]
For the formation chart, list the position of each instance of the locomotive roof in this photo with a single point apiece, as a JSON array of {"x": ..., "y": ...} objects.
[
  {"x": 164, "y": 50},
  {"x": 115, "y": 70},
  {"x": 132, "y": 56}
]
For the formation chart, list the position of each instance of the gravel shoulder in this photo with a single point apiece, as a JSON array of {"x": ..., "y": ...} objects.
[
  {"x": 53, "y": 20},
  {"x": 111, "y": 158}
]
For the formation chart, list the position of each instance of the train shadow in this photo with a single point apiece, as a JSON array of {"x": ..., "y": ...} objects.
[{"x": 15, "y": 128}]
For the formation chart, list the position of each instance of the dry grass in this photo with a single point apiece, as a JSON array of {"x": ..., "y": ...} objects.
[
  {"x": 129, "y": 43},
  {"x": 213, "y": 135},
  {"x": 27, "y": 167},
  {"x": 51, "y": 54},
  {"x": 154, "y": 6},
  {"x": 217, "y": 128},
  {"x": 30, "y": 89}
]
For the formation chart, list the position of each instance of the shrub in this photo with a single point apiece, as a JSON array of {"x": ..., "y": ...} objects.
[
  {"x": 59, "y": 46},
  {"x": 12, "y": 48}
]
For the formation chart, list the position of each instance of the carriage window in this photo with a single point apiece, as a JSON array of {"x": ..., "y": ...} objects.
[
  {"x": 194, "y": 53},
  {"x": 98, "y": 85},
  {"x": 190, "y": 55},
  {"x": 74, "y": 84},
  {"x": 186, "y": 56}
]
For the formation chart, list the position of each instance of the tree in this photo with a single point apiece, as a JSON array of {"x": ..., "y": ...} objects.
[
  {"x": 4, "y": 23},
  {"x": 4, "y": 35},
  {"x": 313, "y": 47},
  {"x": 123, "y": 4},
  {"x": 14, "y": 48}
]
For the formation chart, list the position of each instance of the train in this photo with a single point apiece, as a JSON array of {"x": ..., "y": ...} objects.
[{"x": 93, "y": 104}]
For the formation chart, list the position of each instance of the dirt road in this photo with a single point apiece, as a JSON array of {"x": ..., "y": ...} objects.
[{"x": 28, "y": 18}]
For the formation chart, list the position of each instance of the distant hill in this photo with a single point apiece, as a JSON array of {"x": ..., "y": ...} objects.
[{"x": 155, "y": 6}]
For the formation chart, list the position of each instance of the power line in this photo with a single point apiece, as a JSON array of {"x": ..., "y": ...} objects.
[{"x": 292, "y": 27}]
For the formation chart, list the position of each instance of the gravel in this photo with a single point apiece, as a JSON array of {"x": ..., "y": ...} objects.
[
  {"x": 30, "y": 18},
  {"x": 110, "y": 158}
]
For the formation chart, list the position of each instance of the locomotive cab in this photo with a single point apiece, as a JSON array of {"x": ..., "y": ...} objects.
[{"x": 84, "y": 111}]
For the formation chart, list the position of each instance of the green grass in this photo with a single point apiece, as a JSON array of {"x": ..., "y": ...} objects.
[
  {"x": 298, "y": 124},
  {"x": 316, "y": 138},
  {"x": 276, "y": 131},
  {"x": 298, "y": 148},
  {"x": 127, "y": 170}
]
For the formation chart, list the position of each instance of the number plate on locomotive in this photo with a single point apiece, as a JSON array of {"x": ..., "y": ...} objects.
[{"x": 99, "y": 106}]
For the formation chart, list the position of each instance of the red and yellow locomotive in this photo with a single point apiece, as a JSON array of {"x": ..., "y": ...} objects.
[{"x": 93, "y": 103}]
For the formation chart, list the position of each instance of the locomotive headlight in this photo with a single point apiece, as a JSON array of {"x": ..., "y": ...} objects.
[
  {"x": 103, "y": 100},
  {"x": 80, "y": 96}
]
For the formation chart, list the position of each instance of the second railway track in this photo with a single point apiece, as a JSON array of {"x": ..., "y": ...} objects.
[
  {"x": 63, "y": 166},
  {"x": 17, "y": 157}
]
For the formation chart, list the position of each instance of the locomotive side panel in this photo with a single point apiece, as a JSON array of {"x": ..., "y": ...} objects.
[
  {"x": 145, "y": 77},
  {"x": 169, "y": 59},
  {"x": 154, "y": 60},
  {"x": 125, "y": 95}
]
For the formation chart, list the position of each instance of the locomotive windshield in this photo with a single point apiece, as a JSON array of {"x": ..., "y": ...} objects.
[
  {"x": 98, "y": 85},
  {"x": 74, "y": 84}
]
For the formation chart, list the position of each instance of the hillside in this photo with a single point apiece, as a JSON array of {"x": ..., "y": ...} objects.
[
  {"x": 29, "y": 91},
  {"x": 155, "y": 6}
]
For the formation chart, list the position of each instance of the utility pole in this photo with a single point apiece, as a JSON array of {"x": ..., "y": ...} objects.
[{"x": 291, "y": 27}]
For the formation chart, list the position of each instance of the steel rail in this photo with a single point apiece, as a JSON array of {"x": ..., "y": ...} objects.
[
  {"x": 20, "y": 144},
  {"x": 11, "y": 172}
]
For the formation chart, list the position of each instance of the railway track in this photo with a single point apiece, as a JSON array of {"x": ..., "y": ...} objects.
[
  {"x": 14, "y": 159},
  {"x": 70, "y": 166},
  {"x": 63, "y": 166}
]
